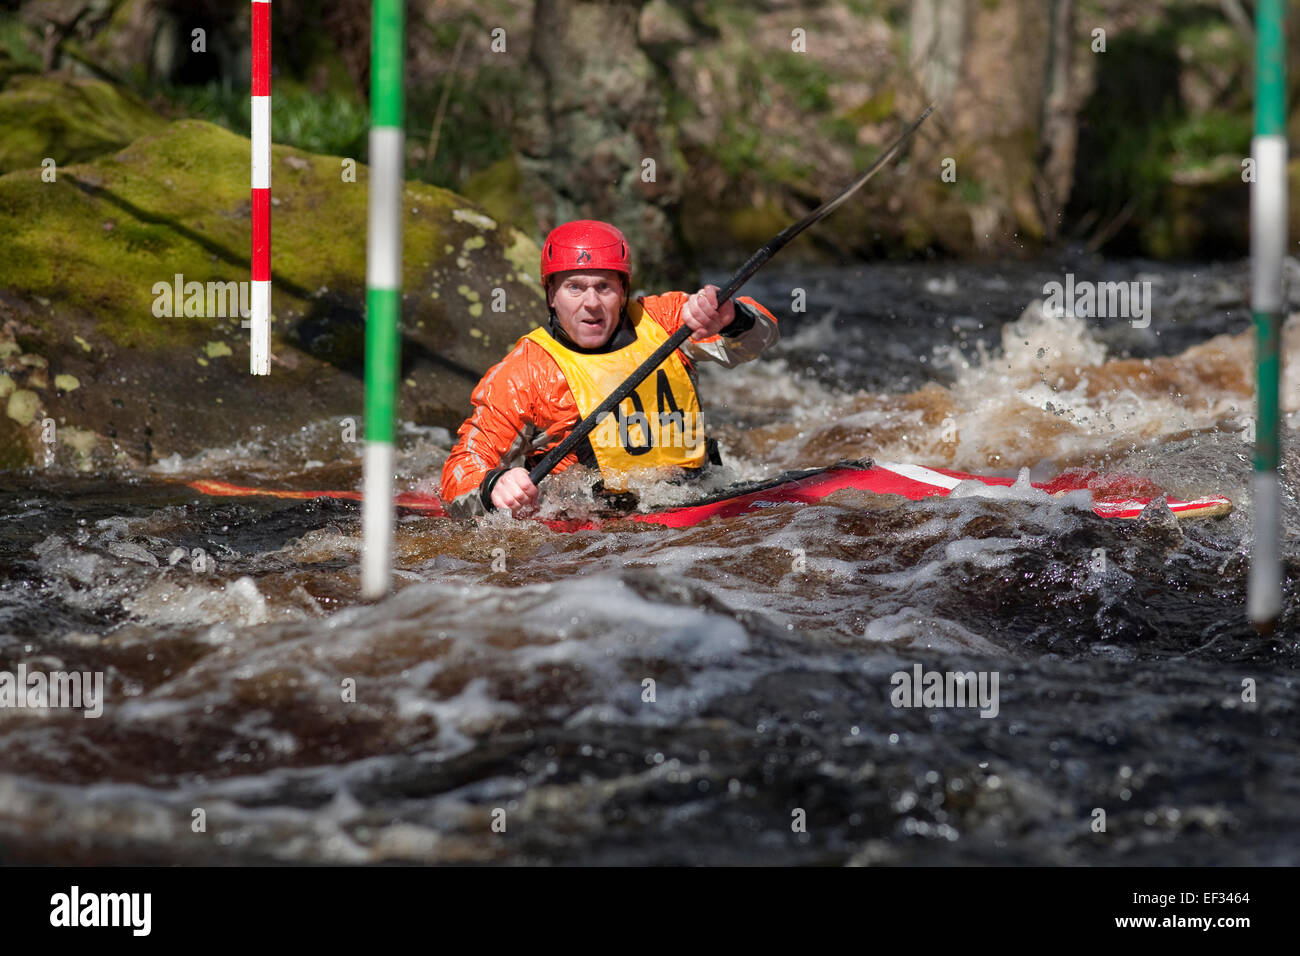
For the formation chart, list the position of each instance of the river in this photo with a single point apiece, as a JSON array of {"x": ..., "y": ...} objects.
[{"x": 723, "y": 694}]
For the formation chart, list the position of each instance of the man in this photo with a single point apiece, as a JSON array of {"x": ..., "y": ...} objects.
[{"x": 558, "y": 374}]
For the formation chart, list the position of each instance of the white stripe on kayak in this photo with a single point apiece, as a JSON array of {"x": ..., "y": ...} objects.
[{"x": 923, "y": 475}]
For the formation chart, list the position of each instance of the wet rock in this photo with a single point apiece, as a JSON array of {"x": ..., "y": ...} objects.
[
  {"x": 160, "y": 373},
  {"x": 594, "y": 136},
  {"x": 67, "y": 119}
]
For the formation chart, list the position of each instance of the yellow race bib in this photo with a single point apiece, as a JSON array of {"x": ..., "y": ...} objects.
[{"x": 657, "y": 426}]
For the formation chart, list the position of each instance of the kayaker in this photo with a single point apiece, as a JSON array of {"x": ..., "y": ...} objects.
[{"x": 594, "y": 338}]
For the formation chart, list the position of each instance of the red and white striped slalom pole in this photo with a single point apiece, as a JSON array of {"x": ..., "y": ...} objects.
[{"x": 260, "y": 336}]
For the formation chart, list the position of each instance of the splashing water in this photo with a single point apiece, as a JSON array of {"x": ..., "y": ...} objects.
[{"x": 646, "y": 694}]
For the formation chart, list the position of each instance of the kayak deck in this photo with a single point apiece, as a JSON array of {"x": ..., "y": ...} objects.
[{"x": 1115, "y": 496}]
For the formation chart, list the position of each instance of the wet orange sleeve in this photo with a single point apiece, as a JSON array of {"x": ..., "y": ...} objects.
[
  {"x": 666, "y": 309},
  {"x": 521, "y": 406}
]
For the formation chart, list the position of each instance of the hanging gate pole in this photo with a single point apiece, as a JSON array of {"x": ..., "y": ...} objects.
[
  {"x": 1268, "y": 235},
  {"x": 383, "y": 289},
  {"x": 259, "y": 354}
]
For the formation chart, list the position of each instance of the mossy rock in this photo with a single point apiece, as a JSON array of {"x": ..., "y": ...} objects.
[
  {"x": 499, "y": 189},
  {"x": 68, "y": 119},
  {"x": 10, "y": 67},
  {"x": 757, "y": 224},
  {"x": 1207, "y": 216},
  {"x": 91, "y": 263}
]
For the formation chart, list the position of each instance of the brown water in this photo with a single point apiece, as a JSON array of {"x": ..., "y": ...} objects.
[{"x": 505, "y": 679}]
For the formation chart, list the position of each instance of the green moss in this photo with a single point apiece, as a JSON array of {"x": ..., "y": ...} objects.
[
  {"x": 805, "y": 79},
  {"x": 1200, "y": 139},
  {"x": 476, "y": 128},
  {"x": 744, "y": 149},
  {"x": 81, "y": 441},
  {"x": 22, "y": 406},
  {"x": 840, "y": 130},
  {"x": 524, "y": 255},
  {"x": 755, "y": 225},
  {"x": 104, "y": 234},
  {"x": 499, "y": 190},
  {"x": 877, "y": 109},
  {"x": 970, "y": 191},
  {"x": 68, "y": 119}
]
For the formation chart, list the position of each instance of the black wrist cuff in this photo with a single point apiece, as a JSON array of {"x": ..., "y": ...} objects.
[
  {"x": 746, "y": 316},
  {"x": 485, "y": 488}
]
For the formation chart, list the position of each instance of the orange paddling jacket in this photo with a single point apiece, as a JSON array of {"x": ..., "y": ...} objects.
[{"x": 524, "y": 405}]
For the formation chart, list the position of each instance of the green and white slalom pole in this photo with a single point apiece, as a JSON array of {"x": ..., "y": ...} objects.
[
  {"x": 1268, "y": 228},
  {"x": 383, "y": 290}
]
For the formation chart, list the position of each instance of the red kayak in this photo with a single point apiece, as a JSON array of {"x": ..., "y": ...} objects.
[{"x": 1113, "y": 496}]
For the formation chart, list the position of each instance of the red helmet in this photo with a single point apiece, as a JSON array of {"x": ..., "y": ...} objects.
[{"x": 585, "y": 244}]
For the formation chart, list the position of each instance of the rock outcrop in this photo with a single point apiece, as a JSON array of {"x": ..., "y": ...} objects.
[{"x": 98, "y": 347}]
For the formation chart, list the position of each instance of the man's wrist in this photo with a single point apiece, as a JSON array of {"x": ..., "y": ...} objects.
[{"x": 485, "y": 487}]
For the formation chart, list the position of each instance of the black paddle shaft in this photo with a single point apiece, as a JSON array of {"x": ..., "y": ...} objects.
[{"x": 743, "y": 275}]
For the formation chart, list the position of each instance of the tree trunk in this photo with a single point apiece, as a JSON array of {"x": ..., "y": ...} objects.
[
  {"x": 938, "y": 44},
  {"x": 594, "y": 142},
  {"x": 989, "y": 118},
  {"x": 1059, "y": 136}
]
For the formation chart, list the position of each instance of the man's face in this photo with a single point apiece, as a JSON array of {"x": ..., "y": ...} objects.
[{"x": 587, "y": 304}]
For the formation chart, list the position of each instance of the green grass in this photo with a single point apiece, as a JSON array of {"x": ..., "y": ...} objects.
[
  {"x": 804, "y": 78},
  {"x": 329, "y": 123},
  {"x": 476, "y": 130},
  {"x": 1143, "y": 160},
  {"x": 16, "y": 42},
  {"x": 1198, "y": 138},
  {"x": 971, "y": 192}
]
